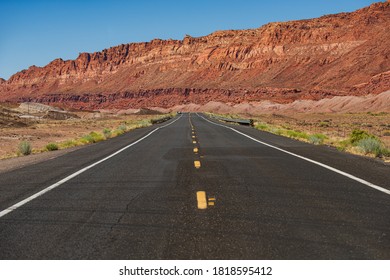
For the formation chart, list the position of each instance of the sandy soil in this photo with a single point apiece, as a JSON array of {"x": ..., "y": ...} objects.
[{"x": 40, "y": 132}]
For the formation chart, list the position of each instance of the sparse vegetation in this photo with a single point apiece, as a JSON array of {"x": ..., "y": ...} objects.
[
  {"x": 261, "y": 126},
  {"x": 65, "y": 133},
  {"x": 68, "y": 144},
  {"x": 370, "y": 146},
  {"x": 358, "y": 141},
  {"x": 107, "y": 133},
  {"x": 317, "y": 139},
  {"x": 358, "y": 135},
  {"x": 296, "y": 134},
  {"x": 122, "y": 127},
  {"x": 92, "y": 137},
  {"x": 25, "y": 148},
  {"x": 52, "y": 147}
]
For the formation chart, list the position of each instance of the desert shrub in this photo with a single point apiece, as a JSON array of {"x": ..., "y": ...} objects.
[
  {"x": 92, "y": 137},
  {"x": 118, "y": 132},
  {"x": 323, "y": 124},
  {"x": 144, "y": 123},
  {"x": 86, "y": 139},
  {"x": 68, "y": 144},
  {"x": 52, "y": 147},
  {"x": 385, "y": 152},
  {"x": 97, "y": 137},
  {"x": 25, "y": 148},
  {"x": 297, "y": 134},
  {"x": 342, "y": 145},
  {"x": 358, "y": 135},
  {"x": 317, "y": 139},
  {"x": 122, "y": 127},
  {"x": 276, "y": 131},
  {"x": 107, "y": 133},
  {"x": 261, "y": 126},
  {"x": 370, "y": 146}
]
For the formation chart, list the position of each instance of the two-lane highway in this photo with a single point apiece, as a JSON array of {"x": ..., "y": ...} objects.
[{"x": 194, "y": 189}]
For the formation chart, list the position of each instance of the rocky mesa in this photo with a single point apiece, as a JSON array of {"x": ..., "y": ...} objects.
[{"x": 334, "y": 55}]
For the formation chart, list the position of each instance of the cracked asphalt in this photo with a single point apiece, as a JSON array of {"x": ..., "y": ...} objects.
[{"x": 142, "y": 203}]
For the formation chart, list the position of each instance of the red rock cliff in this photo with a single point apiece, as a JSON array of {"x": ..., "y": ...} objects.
[{"x": 331, "y": 55}]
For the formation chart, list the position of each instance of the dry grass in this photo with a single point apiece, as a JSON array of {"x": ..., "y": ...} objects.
[
  {"x": 336, "y": 128},
  {"x": 331, "y": 129},
  {"x": 65, "y": 133}
]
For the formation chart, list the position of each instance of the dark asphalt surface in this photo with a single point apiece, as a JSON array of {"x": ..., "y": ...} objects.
[{"x": 142, "y": 204}]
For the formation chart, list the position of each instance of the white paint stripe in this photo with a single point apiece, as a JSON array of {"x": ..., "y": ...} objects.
[
  {"x": 59, "y": 183},
  {"x": 364, "y": 182}
]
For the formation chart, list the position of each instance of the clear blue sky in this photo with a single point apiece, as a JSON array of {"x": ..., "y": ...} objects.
[{"x": 36, "y": 32}]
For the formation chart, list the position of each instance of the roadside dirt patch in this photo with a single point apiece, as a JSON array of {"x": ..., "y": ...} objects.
[{"x": 41, "y": 126}]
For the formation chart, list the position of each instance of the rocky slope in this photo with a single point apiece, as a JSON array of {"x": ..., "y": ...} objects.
[{"x": 335, "y": 55}]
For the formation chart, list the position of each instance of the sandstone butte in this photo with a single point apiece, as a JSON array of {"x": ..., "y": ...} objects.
[{"x": 335, "y": 55}]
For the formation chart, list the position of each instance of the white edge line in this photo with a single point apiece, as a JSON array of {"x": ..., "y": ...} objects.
[
  {"x": 364, "y": 182},
  {"x": 59, "y": 183}
]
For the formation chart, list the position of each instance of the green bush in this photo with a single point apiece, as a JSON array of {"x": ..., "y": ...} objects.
[
  {"x": 52, "y": 147},
  {"x": 275, "y": 130},
  {"x": 342, "y": 145},
  {"x": 370, "y": 146},
  {"x": 92, "y": 137},
  {"x": 97, "y": 137},
  {"x": 323, "y": 124},
  {"x": 261, "y": 126},
  {"x": 87, "y": 139},
  {"x": 122, "y": 127},
  {"x": 297, "y": 134},
  {"x": 358, "y": 135},
  {"x": 317, "y": 139},
  {"x": 144, "y": 123},
  {"x": 25, "y": 148},
  {"x": 386, "y": 152},
  {"x": 118, "y": 132},
  {"x": 69, "y": 143},
  {"x": 107, "y": 133}
]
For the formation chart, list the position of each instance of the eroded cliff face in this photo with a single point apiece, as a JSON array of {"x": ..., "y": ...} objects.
[{"x": 282, "y": 62}]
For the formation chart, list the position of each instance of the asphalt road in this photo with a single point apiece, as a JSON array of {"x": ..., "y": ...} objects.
[{"x": 142, "y": 203}]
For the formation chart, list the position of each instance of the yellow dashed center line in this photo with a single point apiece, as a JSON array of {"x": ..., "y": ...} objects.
[
  {"x": 201, "y": 198},
  {"x": 197, "y": 164},
  {"x": 211, "y": 201}
]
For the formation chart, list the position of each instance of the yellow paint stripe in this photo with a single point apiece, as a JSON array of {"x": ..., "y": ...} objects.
[
  {"x": 193, "y": 142},
  {"x": 212, "y": 199},
  {"x": 197, "y": 164},
  {"x": 211, "y": 203},
  {"x": 193, "y": 137},
  {"x": 196, "y": 150},
  {"x": 201, "y": 198}
]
